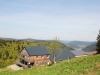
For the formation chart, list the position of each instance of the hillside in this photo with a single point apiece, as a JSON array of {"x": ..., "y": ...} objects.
[
  {"x": 90, "y": 48},
  {"x": 76, "y": 66},
  {"x": 10, "y": 49}
]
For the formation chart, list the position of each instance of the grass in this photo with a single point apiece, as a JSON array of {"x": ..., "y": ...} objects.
[{"x": 89, "y": 65}]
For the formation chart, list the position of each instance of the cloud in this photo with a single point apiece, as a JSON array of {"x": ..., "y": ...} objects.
[{"x": 50, "y": 20}]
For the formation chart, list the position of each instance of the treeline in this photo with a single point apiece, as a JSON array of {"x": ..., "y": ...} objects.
[{"x": 10, "y": 49}]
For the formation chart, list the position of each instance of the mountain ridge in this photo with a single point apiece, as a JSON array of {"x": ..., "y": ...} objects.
[{"x": 90, "y": 48}]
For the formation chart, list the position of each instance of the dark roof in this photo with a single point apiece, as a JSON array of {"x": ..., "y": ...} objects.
[
  {"x": 80, "y": 52},
  {"x": 36, "y": 50},
  {"x": 64, "y": 55}
]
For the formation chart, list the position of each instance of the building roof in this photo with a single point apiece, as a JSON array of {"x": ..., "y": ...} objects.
[
  {"x": 80, "y": 52},
  {"x": 64, "y": 55},
  {"x": 36, "y": 50}
]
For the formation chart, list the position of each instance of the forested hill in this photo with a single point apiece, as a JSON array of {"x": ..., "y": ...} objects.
[
  {"x": 90, "y": 48},
  {"x": 80, "y": 43},
  {"x": 10, "y": 49}
]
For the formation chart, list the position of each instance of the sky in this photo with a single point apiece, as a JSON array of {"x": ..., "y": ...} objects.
[{"x": 47, "y": 19}]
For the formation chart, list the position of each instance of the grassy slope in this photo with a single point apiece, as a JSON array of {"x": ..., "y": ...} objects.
[{"x": 78, "y": 66}]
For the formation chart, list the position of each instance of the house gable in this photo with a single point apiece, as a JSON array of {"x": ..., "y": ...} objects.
[{"x": 24, "y": 52}]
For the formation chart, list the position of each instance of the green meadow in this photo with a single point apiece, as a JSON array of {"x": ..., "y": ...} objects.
[{"x": 89, "y": 65}]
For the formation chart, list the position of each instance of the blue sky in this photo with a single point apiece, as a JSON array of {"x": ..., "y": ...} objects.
[{"x": 46, "y": 19}]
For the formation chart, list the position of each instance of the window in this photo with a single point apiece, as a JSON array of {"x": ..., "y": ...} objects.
[{"x": 37, "y": 57}]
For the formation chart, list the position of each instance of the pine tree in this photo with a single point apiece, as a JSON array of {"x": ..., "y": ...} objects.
[
  {"x": 18, "y": 47},
  {"x": 98, "y": 43}
]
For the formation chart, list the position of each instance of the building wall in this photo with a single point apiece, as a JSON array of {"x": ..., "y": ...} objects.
[
  {"x": 40, "y": 60},
  {"x": 43, "y": 62},
  {"x": 24, "y": 52},
  {"x": 35, "y": 60}
]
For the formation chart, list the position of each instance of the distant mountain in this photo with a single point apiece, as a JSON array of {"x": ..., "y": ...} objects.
[
  {"x": 73, "y": 46},
  {"x": 80, "y": 43},
  {"x": 1, "y": 38},
  {"x": 39, "y": 42},
  {"x": 32, "y": 40},
  {"x": 28, "y": 39},
  {"x": 64, "y": 41},
  {"x": 90, "y": 48}
]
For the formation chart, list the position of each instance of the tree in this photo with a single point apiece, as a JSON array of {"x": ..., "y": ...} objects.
[
  {"x": 18, "y": 47},
  {"x": 98, "y": 43},
  {"x": 55, "y": 48}
]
